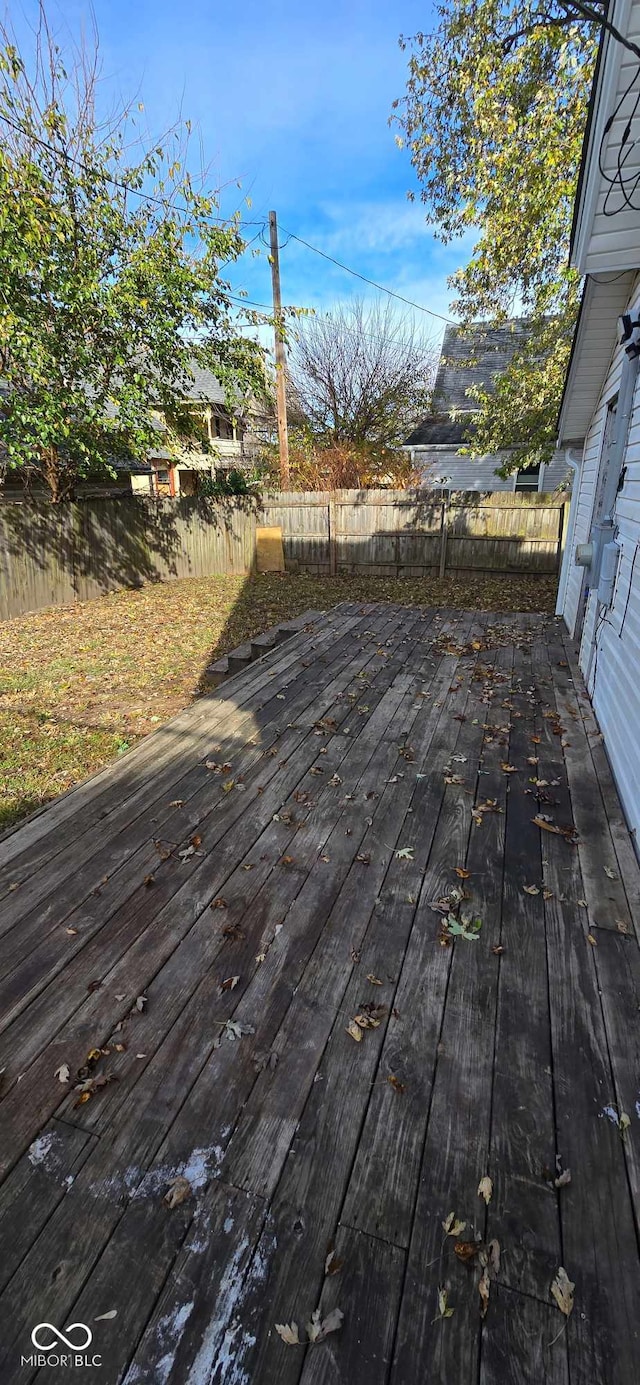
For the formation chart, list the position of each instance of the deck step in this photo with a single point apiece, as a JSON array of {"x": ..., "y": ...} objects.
[
  {"x": 255, "y": 648},
  {"x": 237, "y": 659}
]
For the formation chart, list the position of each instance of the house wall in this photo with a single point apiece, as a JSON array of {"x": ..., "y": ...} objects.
[
  {"x": 610, "y": 641},
  {"x": 478, "y": 473}
]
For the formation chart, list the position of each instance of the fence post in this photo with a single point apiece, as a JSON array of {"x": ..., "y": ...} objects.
[
  {"x": 333, "y": 557},
  {"x": 444, "y": 534}
]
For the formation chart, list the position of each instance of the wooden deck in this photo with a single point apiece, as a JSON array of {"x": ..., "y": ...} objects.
[{"x": 187, "y": 942}]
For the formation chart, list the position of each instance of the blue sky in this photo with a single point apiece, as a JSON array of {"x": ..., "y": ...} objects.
[{"x": 293, "y": 100}]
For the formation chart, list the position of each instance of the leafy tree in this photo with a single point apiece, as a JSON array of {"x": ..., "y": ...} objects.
[
  {"x": 360, "y": 376},
  {"x": 110, "y": 277},
  {"x": 494, "y": 118}
]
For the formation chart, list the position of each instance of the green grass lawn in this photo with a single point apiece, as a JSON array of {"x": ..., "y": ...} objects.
[{"x": 81, "y": 684}]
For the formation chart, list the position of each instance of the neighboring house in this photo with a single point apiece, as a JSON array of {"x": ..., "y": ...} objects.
[
  {"x": 469, "y": 357},
  {"x": 599, "y": 424},
  {"x": 171, "y": 472},
  {"x": 180, "y": 474}
]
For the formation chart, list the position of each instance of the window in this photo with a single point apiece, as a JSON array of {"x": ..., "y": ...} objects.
[
  {"x": 528, "y": 480},
  {"x": 222, "y": 426}
]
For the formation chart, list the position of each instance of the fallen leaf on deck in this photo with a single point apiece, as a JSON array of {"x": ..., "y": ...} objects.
[
  {"x": 334, "y": 780},
  {"x": 547, "y": 894},
  {"x": 562, "y": 1291},
  {"x": 63, "y": 1073},
  {"x": 623, "y": 1123},
  {"x": 375, "y": 980},
  {"x": 563, "y": 1179},
  {"x": 265, "y": 1060},
  {"x": 289, "y": 1333},
  {"x": 397, "y": 1085},
  {"x": 464, "y": 874},
  {"x": 483, "y": 1290},
  {"x": 228, "y": 785},
  {"x": 228, "y": 985},
  {"x": 106, "y": 1317},
  {"x": 232, "y": 1030},
  {"x": 531, "y": 889},
  {"x": 466, "y": 1250},
  {"x": 354, "y": 1030},
  {"x": 453, "y": 779},
  {"x": 508, "y": 769},
  {"x": 218, "y": 903},
  {"x": 140, "y": 1003},
  {"x": 91, "y": 1085},
  {"x": 458, "y": 759},
  {"x": 317, "y": 1328},
  {"x": 332, "y": 1264},
  {"x": 592, "y": 940},
  {"x": 611, "y": 873},
  {"x": 404, "y": 853},
  {"x": 363, "y": 857},
  {"x": 371, "y": 1016},
  {"x": 452, "y": 1227},
  {"x": 175, "y": 803},
  {"x": 444, "y": 1311},
  {"x": 485, "y": 1189},
  {"x": 490, "y": 805}
]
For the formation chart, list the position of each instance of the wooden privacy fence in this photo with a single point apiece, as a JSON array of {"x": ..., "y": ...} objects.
[
  {"x": 412, "y": 533},
  {"x": 51, "y": 555}
]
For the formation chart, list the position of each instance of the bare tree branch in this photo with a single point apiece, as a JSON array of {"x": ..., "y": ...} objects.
[{"x": 361, "y": 374}]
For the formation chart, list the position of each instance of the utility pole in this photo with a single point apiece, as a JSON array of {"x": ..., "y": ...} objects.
[{"x": 281, "y": 364}]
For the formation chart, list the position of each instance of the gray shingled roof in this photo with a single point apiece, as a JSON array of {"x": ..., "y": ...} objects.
[
  {"x": 205, "y": 386},
  {"x": 470, "y": 356},
  {"x": 438, "y": 430}
]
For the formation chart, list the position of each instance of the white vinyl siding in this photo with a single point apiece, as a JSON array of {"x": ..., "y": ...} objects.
[
  {"x": 479, "y": 473},
  {"x": 612, "y": 665}
]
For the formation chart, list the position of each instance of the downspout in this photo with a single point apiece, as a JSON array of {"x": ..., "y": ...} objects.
[{"x": 575, "y": 463}]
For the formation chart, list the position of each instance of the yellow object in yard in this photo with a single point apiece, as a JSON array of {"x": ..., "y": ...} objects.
[{"x": 269, "y": 550}]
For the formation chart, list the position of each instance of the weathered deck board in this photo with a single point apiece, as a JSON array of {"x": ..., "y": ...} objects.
[{"x": 295, "y": 1144}]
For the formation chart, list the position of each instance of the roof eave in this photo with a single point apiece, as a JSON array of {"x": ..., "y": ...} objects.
[{"x": 601, "y": 102}]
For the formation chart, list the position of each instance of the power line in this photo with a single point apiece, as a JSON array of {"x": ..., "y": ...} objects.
[
  {"x": 351, "y": 331},
  {"x": 381, "y": 287},
  {"x": 119, "y": 183},
  {"x": 220, "y": 220}
]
